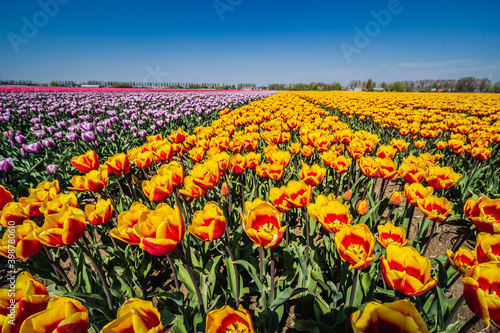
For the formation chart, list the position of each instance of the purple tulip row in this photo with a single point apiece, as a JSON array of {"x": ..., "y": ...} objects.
[{"x": 53, "y": 116}]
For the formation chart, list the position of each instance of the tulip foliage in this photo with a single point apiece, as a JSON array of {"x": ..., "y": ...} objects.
[{"x": 241, "y": 209}]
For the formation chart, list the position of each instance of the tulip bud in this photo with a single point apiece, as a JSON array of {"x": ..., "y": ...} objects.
[
  {"x": 347, "y": 195},
  {"x": 396, "y": 198},
  {"x": 362, "y": 207},
  {"x": 52, "y": 169},
  {"x": 225, "y": 189},
  {"x": 6, "y": 164}
]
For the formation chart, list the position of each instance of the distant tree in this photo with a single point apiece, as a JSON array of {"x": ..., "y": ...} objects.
[
  {"x": 53, "y": 84},
  {"x": 370, "y": 85},
  {"x": 496, "y": 87},
  {"x": 398, "y": 86},
  {"x": 466, "y": 84},
  {"x": 483, "y": 84}
]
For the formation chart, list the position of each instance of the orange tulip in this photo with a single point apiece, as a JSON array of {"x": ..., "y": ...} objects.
[
  {"x": 226, "y": 319},
  {"x": 253, "y": 160},
  {"x": 419, "y": 144},
  {"x": 356, "y": 149},
  {"x": 355, "y": 245},
  {"x": 333, "y": 215},
  {"x": 413, "y": 173},
  {"x": 341, "y": 164},
  {"x": 481, "y": 153},
  {"x": 389, "y": 234},
  {"x": 118, "y": 164},
  {"x": 135, "y": 315},
  {"x": 484, "y": 214},
  {"x": 369, "y": 166},
  {"x": 278, "y": 197},
  {"x": 58, "y": 203},
  {"x": 261, "y": 170},
  {"x": 386, "y": 152},
  {"x": 299, "y": 193},
  {"x": 481, "y": 291},
  {"x": 416, "y": 191},
  {"x": 434, "y": 208},
  {"x": 262, "y": 223},
  {"x": 399, "y": 144},
  {"x": 63, "y": 314},
  {"x": 405, "y": 270},
  {"x": 398, "y": 317},
  {"x": 87, "y": 162},
  {"x": 347, "y": 195},
  {"x": 321, "y": 200},
  {"x": 463, "y": 260},
  {"x": 312, "y": 175},
  {"x": 197, "y": 154},
  {"x": 143, "y": 160},
  {"x": 206, "y": 175},
  {"x": 160, "y": 230},
  {"x": 78, "y": 183},
  {"x": 275, "y": 171},
  {"x": 126, "y": 222},
  {"x": 279, "y": 157},
  {"x": 328, "y": 157},
  {"x": 27, "y": 298},
  {"x": 13, "y": 212},
  {"x": 178, "y": 136},
  {"x": 362, "y": 207},
  {"x": 441, "y": 178},
  {"x": 208, "y": 224},
  {"x": 190, "y": 190},
  {"x": 96, "y": 180},
  {"x": 487, "y": 247},
  {"x": 5, "y": 197},
  {"x": 441, "y": 145},
  {"x": 396, "y": 198},
  {"x": 295, "y": 148},
  {"x": 63, "y": 228},
  {"x": 222, "y": 159},
  {"x": 20, "y": 242},
  {"x": 307, "y": 151},
  {"x": 238, "y": 164},
  {"x": 224, "y": 189},
  {"x": 100, "y": 213},
  {"x": 388, "y": 169}
]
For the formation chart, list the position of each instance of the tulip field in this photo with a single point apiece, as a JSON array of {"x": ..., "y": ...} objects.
[{"x": 226, "y": 211}]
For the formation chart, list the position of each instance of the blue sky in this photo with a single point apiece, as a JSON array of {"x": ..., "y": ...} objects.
[{"x": 233, "y": 41}]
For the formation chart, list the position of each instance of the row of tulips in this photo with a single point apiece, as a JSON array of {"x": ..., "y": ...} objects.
[{"x": 281, "y": 204}]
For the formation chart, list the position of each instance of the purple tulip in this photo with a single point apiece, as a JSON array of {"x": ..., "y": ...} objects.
[
  {"x": 58, "y": 135},
  {"x": 20, "y": 139},
  {"x": 87, "y": 127},
  {"x": 51, "y": 129},
  {"x": 99, "y": 129},
  {"x": 143, "y": 133},
  {"x": 71, "y": 137},
  {"x": 61, "y": 124},
  {"x": 88, "y": 136},
  {"x": 160, "y": 123},
  {"x": 40, "y": 134},
  {"x": 49, "y": 143},
  {"x": 33, "y": 148},
  {"x": 6, "y": 164},
  {"x": 52, "y": 169},
  {"x": 109, "y": 131}
]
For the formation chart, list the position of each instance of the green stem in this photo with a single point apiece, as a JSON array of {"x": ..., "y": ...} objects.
[
  {"x": 272, "y": 277},
  {"x": 99, "y": 272},
  {"x": 195, "y": 284},
  {"x": 235, "y": 268},
  {"x": 261, "y": 260},
  {"x": 433, "y": 230},
  {"x": 174, "y": 272}
]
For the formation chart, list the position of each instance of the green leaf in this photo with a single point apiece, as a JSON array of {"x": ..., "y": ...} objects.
[
  {"x": 252, "y": 271},
  {"x": 311, "y": 326},
  {"x": 285, "y": 295}
]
